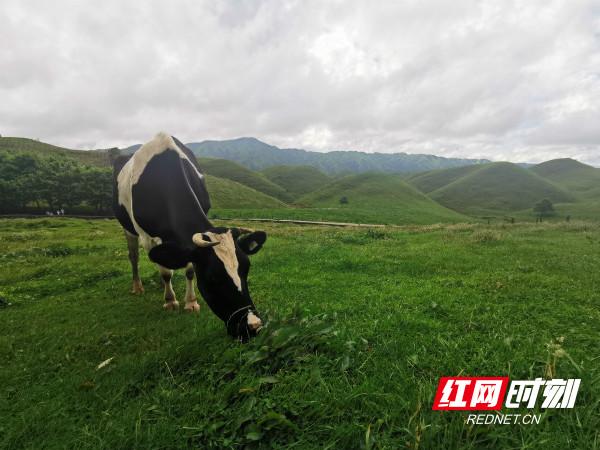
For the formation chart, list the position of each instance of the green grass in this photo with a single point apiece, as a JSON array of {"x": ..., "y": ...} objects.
[
  {"x": 582, "y": 210},
  {"x": 230, "y": 194},
  {"x": 230, "y": 170},
  {"x": 297, "y": 180},
  {"x": 362, "y": 325},
  {"x": 587, "y": 210},
  {"x": 498, "y": 187},
  {"x": 31, "y": 146}
]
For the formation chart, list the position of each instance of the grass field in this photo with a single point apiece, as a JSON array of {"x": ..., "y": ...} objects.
[{"x": 361, "y": 325}]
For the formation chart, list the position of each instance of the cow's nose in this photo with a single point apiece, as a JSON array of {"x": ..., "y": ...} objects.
[{"x": 254, "y": 323}]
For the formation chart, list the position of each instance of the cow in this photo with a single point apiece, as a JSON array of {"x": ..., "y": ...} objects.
[{"x": 161, "y": 201}]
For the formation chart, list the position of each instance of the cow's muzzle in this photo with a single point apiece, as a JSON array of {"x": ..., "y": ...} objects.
[{"x": 244, "y": 323}]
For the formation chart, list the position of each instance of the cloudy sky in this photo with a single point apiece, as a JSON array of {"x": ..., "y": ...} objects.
[{"x": 504, "y": 80}]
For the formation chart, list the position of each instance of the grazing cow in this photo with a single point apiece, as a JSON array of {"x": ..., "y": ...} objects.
[{"x": 160, "y": 199}]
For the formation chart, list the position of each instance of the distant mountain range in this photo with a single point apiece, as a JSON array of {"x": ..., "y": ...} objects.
[{"x": 257, "y": 155}]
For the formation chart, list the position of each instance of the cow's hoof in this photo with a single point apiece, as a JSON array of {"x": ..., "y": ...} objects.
[
  {"x": 137, "y": 288},
  {"x": 192, "y": 307},
  {"x": 171, "y": 306}
]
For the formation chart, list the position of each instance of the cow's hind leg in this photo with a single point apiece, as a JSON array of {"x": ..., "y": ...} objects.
[
  {"x": 191, "y": 302},
  {"x": 170, "y": 300},
  {"x": 133, "y": 245}
]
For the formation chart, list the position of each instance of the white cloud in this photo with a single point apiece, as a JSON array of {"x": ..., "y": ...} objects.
[{"x": 514, "y": 80}]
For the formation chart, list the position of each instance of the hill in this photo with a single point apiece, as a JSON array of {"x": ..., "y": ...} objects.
[
  {"x": 24, "y": 145},
  {"x": 296, "y": 180},
  {"x": 430, "y": 181},
  {"x": 497, "y": 188},
  {"x": 228, "y": 194},
  {"x": 579, "y": 178},
  {"x": 230, "y": 170},
  {"x": 393, "y": 200},
  {"x": 258, "y": 155}
]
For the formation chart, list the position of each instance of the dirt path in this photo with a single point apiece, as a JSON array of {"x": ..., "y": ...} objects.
[
  {"x": 307, "y": 222},
  {"x": 292, "y": 221}
]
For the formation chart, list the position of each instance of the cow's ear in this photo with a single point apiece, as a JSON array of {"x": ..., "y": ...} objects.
[
  {"x": 253, "y": 242},
  {"x": 171, "y": 255}
]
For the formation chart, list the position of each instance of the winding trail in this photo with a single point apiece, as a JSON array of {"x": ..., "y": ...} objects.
[
  {"x": 292, "y": 221},
  {"x": 308, "y": 222}
]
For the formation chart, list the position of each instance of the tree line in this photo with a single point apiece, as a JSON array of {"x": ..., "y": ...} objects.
[{"x": 31, "y": 183}]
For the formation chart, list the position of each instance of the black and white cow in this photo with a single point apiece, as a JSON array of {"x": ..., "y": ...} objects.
[{"x": 160, "y": 199}]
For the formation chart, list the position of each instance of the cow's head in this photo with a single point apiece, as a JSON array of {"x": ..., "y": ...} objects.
[{"x": 221, "y": 263}]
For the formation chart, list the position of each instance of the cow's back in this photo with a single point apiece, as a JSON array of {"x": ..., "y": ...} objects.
[{"x": 162, "y": 192}]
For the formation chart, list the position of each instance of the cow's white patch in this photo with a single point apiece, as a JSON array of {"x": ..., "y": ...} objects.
[
  {"x": 161, "y": 142},
  {"x": 191, "y": 303},
  {"x": 225, "y": 251},
  {"x": 130, "y": 175},
  {"x": 254, "y": 323}
]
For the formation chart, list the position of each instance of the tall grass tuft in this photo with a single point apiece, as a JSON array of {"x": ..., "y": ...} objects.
[{"x": 486, "y": 236}]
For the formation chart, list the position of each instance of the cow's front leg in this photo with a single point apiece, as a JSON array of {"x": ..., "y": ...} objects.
[
  {"x": 191, "y": 302},
  {"x": 170, "y": 300},
  {"x": 133, "y": 246}
]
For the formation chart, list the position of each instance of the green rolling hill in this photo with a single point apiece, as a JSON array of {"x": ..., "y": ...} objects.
[
  {"x": 434, "y": 196},
  {"x": 435, "y": 179},
  {"x": 24, "y": 145},
  {"x": 498, "y": 188},
  {"x": 297, "y": 180},
  {"x": 228, "y": 194},
  {"x": 230, "y": 170},
  {"x": 379, "y": 197},
  {"x": 579, "y": 178}
]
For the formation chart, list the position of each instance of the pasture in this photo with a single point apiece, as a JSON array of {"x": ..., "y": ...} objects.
[{"x": 361, "y": 325}]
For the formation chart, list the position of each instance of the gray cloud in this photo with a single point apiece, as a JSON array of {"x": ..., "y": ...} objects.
[{"x": 507, "y": 80}]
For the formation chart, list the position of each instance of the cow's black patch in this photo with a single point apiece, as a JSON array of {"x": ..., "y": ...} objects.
[
  {"x": 197, "y": 184},
  {"x": 171, "y": 255},
  {"x": 165, "y": 204}
]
